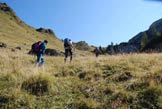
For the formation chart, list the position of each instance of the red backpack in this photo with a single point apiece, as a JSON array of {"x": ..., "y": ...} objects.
[{"x": 36, "y": 47}]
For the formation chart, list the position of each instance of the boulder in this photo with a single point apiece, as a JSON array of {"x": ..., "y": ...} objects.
[
  {"x": 43, "y": 30},
  {"x": 52, "y": 52},
  {"x": 3, "y": 45},
  {"x": 5, "y": 8},
  {"x": 18, "y": 48}
]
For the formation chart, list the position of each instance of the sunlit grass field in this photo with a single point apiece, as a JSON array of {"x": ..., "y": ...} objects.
[{"x": 125, "y": 81}]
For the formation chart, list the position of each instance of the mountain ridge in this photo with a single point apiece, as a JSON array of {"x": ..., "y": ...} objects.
[
  {"x": 141, "y": 42},
  {"x": 15, "y": 32}
]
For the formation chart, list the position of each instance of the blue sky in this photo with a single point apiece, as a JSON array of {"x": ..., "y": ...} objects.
[{"x": 98, "y": 22}]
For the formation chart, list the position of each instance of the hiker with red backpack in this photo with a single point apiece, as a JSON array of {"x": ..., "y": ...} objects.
[
  {"x": 97, "y": 51},
  {"x": 68, "y": 49},
  {"x": 40, "y": 53}
]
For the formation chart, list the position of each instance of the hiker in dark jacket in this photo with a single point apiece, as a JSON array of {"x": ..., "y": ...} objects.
[
  {"x": 40, "y": 54},
  {"x": 68, "y": 49},
  {"x": 97, "y": 52}
]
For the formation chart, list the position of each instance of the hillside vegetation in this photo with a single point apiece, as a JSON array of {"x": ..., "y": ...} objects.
[
  {"x": 123, "y": 81},
  {"x": 108, "y": 82},
  {"x": 14, "y": 32},
  {"x": 145, "y": 41}
]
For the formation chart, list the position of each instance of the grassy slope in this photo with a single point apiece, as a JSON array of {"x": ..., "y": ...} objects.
[
  {"x": 119, "y": 81},
  {"x": 106, "y": 82},
  {"x": 15, "y": 33}
]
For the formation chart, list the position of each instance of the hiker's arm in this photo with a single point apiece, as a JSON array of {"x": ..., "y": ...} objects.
[{"x": 43, "y": 48}]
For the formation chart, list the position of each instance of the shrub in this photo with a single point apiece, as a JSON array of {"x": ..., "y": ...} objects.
[
  {"x": 136, "y": 86},
  {"x": 124, "y": 77},
  {"x": 149, "y": 98},
  {"x": 36, "y": 85}
]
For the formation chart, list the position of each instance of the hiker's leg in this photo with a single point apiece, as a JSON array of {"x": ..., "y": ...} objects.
[
  {"x": 66, "y": 55},
  {"x": 42, "y": 60},
  {"x": 71, "y": 54},
  {"x": 38, "y": 59}
]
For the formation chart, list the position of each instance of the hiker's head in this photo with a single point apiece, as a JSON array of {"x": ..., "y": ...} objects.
[{"x": 45, "y": 41}]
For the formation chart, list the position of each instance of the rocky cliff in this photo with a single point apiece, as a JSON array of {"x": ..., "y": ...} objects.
[{"x": 149, "y": 40}]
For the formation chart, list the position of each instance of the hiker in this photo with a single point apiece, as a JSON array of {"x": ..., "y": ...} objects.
[
  {"x": 68, "y": 49},
  {"x": 40, "y": 53},
  {"x": 97, "y": 51}
]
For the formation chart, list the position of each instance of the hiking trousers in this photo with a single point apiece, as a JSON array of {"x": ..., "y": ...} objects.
[
  {"x": 67, "y": 52},
  {"x": 40, "y": 59}
]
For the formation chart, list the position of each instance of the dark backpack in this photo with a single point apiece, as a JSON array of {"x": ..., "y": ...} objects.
[
  {"x": 36, "y": 47},
  {"x": 67, "y": 42}
]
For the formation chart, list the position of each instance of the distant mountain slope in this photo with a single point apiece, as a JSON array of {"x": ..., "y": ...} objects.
[
  {"x": 17, "y": 34},
  {"x": 154, "y": 31},
  {"x": 14, "y": 32},
  {"x": 149, "y": 40}
]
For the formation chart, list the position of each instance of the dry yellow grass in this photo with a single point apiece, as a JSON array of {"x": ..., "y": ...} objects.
[
  {"x": 117, "y": 81},
  {"x": 15, "y": 32},
  {"x": 125, "y": 81}
]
